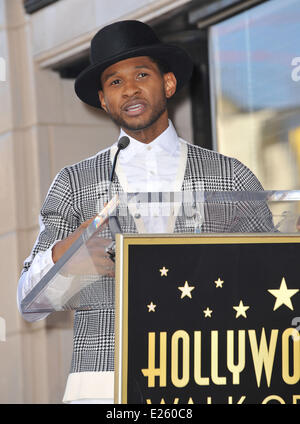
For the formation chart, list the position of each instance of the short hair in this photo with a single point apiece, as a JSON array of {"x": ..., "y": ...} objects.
[{"x": 162, "y": 67}]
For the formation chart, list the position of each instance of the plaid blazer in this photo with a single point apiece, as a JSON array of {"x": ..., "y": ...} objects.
[{"x": 76, "y": 195}]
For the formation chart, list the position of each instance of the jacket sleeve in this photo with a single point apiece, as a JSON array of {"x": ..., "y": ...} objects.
[
  {"x": 251, "y": 216},
  {"x": 57, "y": 220}
]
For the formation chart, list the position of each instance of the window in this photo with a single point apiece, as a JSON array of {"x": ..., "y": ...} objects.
[{"x": 255, "y": 85}]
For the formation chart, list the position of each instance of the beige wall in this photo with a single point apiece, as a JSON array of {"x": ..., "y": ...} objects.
[
  {"x": 43, "y": 127},
  {"x": 261, "y": 140}
]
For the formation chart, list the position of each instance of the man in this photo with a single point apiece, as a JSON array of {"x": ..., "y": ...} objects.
[{"x": 131, "y": 77}]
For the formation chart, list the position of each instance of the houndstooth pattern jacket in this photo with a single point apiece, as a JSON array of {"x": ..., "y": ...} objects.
[{"x": 75, "y": 196}]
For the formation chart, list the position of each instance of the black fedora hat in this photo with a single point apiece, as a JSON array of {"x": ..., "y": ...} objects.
[{"x": 123, "y": 40}]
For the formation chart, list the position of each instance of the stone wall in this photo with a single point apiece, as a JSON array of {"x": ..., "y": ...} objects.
[{"x": 43, "y": 127}]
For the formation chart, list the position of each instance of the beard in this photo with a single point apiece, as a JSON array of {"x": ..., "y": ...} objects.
[{"x": 158, "y": 109}]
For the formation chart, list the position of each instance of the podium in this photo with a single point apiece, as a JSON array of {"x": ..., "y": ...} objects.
[{"x": 209, "y": 313}]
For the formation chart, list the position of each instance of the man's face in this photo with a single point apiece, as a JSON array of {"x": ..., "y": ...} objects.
[{"x": 134, "y": 93}]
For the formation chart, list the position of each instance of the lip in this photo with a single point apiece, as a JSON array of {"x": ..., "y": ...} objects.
[{"x": 134, "y": 107}]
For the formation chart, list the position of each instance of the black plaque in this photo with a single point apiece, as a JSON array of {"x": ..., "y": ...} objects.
[{"x": 208, "y": 319}]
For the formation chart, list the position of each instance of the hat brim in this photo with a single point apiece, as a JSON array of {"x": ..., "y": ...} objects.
[{"x": 87, "y": 84}]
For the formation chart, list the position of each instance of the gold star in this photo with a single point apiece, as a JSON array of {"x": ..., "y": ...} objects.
[
  {"x": 151, "y": 307},
  {"x": 186, "y": 290},
  {"x": 163, "y": 271},
  {"x": 207, "y": 313},
  {"x": 241, "y": 310},
  {"x": 219, "y": 282},
  {"x": 283, "y": 295}
]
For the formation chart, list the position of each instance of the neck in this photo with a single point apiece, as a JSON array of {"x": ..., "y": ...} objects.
[{"x": 147, "y": 135}]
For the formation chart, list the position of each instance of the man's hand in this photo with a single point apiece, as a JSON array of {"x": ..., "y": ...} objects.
[
  {"x": 62, "y": 246},
  {"x": 89, "y": 258}
]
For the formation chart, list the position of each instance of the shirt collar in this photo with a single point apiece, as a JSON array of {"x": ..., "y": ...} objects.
[{"x": 167, "y": 141}]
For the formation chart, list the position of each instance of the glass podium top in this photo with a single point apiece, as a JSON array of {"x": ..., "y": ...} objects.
[{"x": 79, "y": 281}]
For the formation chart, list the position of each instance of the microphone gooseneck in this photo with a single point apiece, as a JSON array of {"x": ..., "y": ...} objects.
[
  {"x": 122, "y": 144},
  {"x": 113, "y": 221}
]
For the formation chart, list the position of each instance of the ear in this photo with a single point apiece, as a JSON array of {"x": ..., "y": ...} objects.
[
  {"x": 170, "y": 84},
  {"x": 102, "y": 100}
]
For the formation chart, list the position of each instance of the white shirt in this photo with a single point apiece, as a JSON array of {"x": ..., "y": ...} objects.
[
  {"x": 155, "y": 167},
  {"x": 152, "y": 167}
]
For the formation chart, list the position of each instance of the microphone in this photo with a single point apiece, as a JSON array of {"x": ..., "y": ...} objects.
[
  {"x": 122, "y": 144},
  {"x": 113, "y": 221}
]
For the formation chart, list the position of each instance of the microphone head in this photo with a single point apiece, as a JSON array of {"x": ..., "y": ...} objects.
[{"x": 123, "y": 142}]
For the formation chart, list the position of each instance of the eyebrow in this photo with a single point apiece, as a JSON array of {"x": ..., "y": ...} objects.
[
  {"x": 109, "y": 76},
  {"x": 136, "y": 67}
]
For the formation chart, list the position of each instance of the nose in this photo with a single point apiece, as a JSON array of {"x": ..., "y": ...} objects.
[{"x": 131, "y": 88}]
